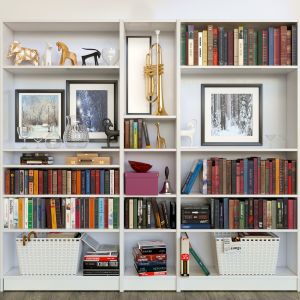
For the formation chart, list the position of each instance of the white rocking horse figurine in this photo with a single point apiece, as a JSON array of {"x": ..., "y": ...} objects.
[
  {"x": 47, "y": 59},
  {"x": 190, "y": 131}
]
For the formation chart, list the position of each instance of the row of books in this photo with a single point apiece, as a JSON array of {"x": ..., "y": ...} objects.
[
  {"x": 195, "y": 217},
  {"x": 68, "y": 213},
  {"x": 215, "y": 45},
  {"x": 142, "y": 213},
  {"x": 62, "y": 181},
  {"x": 150, "y": 258},
  {"x": 32, "y": 158},
  {"x": 251, "y": 175},
  {"x": 134, "y": 132}
]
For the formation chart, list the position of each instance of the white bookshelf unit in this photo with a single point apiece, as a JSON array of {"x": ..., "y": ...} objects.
[{"x": 181, "y": 88}]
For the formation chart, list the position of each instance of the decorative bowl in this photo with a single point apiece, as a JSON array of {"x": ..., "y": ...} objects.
[
  {"x": 139, "y": 167},
  {"x": 110, "y": 56}
]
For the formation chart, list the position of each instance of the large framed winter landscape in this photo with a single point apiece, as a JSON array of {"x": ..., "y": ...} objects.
[{"x": 231, "y": 114}]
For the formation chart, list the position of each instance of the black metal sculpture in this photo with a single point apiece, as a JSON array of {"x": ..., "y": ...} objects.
[
  {"x": 109, "y": 131},
  {"x": 96, "y": 54}
]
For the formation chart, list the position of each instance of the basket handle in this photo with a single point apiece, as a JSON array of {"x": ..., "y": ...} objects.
[
  {"x": 24, "y": 239},
  {"x": 30, "y": 234}
]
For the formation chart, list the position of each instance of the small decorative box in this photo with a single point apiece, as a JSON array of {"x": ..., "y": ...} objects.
[{"x": 141, "y": 183}]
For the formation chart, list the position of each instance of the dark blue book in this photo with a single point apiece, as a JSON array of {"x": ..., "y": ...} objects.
[
  {"x": 226, "y": 212},
  {"x": 43, "y": 214},
  {"x": 250, "y": 176},
  {"x": 82, "y": 182},
  {"x": 195, "y": 226},
  {"x": 271, "y": 46},
  {"x": 87, "y": 181},
  {"x": 221, "y": 46},
  {"x": 193, "y": 177},
  {"x": 245, "y": 176},
  {"x": 221, "y": 214},
  {"x": 102, "y": 181},
  {"x": 217, "y": 213},
  {"x": 157, "y": 263},
  {"x": 26, "y": 183},
  {"x": 34, "y": 214},
  {"x": 225, "y": 48}
]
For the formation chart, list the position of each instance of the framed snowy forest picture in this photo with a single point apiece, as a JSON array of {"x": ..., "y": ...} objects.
[{"x": 231, "y": 114}]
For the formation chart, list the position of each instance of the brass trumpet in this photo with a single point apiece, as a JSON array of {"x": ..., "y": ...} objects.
[{"x": 153, "y": 74}]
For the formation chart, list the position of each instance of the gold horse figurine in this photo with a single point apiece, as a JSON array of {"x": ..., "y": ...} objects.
[
  {"x": 160, "y": 141},
  {"x": 66, "y": 53}
]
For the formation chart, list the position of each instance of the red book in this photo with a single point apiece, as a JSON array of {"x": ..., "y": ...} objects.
[
  {"x": 289, "y": 177},
  {"x": 7, "y": 181},
  {"x": 213, "y": 177},
  {"x": 73, "y": 182},
  {"x": 241, "y": 176},
  {"x": 117, "y": 182},
  {"x": 41, "y": 182},
  {"x": 100, "y": 258},
  {"x": 231, "y": 213},
  {"x": 255, "y": 211},
  {"x": 258, "y": 176},
  {"x": 294, "y": 184},
  {"x": 77, "y": 213},
  {"x": 139, "y": 257},
  {"x": 251, "y": 214},
  {"x": 97, "y": 183},
  {"x": 59, "y": 181},
  {"x": 260, "y": 213},
  {"x": 215, "y": 46},
  {"x": 265, "y": 50},
  {"x": 230, "y": 48},
  {"x": 238, "y": 178},
  {"x": 217, "y": 174},
  {"x": 291, "y": 213},
  {"x": 255, "y": 177},
  {"x": 283, "y": 33},
  {"x": 286, "y": 184},
  {"x": 105, "y": 213},
  {"x": 209, "y": 177},
  {"x": 93, "y": 182},
  {"x": 158, "y": 273},
  {"x": 50, "y": 190},
  {"x": 276, "y": 47},
  {"x": 78, "y": 182}
]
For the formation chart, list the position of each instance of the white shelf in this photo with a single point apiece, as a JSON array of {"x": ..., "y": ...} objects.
[
  {"x": 240, "y": 70},
  {"x": 284, "y": 279},
  {"x": 94, "y": 230},
  {"x": 237, "y": 149},
  {"x": 240, "y": 230},
  {"x": 150, "y": 117},
  {"x": 61, "y": 166},
  {"x": 60, "y": 150},
  {"x": 57, "y": 70},
  {"x": 238, "y": 196},
  {"x": 150, "y": 230},
  {"x": 150, "y": 150},
  {"x": 15, "y": 282},
  {"x": 62, "y": 196}
]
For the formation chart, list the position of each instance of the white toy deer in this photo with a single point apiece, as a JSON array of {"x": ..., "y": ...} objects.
[
  {"x": 48, "y": 55},
  {"x": 190, "y": 131}
]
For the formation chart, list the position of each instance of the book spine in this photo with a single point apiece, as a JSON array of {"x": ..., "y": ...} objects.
[
  {"x": 215, "y": 46},
  {"x": 240, "y": 46},
  {"x": 294, "y": 45},
  {"x": 276, "y": 46},
  {"x": 245, "y": 50},
  {"x": 146, "y": 135},
  {"x": 209, "y": 45},
  {"x": 196, "y": 48},
  {"x": 204, "y": 48},
  {"x": 283, "y": 33},
  {"x": 190, "y": 45},
  {"x": 271, "y": 45},
  {"x": 200, "y": 48},
  {"x": 221, "y": 46},
  {"x": 140, "y": 133},
  {"x": 182, "y": 46},
  {"x": 289, "y": 47},
  {"x": 236, "y": 47},
  {"x": 265, "y": 59}
]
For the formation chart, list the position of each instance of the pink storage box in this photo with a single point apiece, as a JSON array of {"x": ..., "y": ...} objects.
[{"x": 141, "y": 183}]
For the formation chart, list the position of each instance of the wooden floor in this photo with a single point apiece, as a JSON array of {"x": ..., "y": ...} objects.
[{"x": 150, "y": 296}]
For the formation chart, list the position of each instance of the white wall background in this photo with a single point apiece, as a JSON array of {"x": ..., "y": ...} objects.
[{"x": 150, "y": 9}]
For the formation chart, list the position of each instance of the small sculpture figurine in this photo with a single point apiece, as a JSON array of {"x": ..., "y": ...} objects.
[
  {"x": 96, "y": 54},
  {"x": 66, "y": 54},
  {"x": 160, "y": 141},
  {"x": 166, "y": 189},
  {"x": 47, "y": 59},
  {"x": 23, "y": 54},
  {"x": 190, "y": 131},
  {"x": 110, "y": 133}
]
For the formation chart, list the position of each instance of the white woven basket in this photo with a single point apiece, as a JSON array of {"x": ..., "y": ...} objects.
[
  {"x": 249, "y": 256},
  {"x": 49, "y": 256}
]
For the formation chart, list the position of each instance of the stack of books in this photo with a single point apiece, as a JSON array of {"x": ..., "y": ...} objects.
[
  {"x": 100, "y": 260},
  {"x": 150, "y": 258},
  {"x": 142, "y": 213},
  {"x": 33, "y": 158},
  {"x": 135, "y": 132},
  {"x": 68, "y": 213},
  {"x": 215, "y": 45},
  {"x": 195, "y": 216},
  {"x": 62, "y": 181},
  {"x": 251, "y": 175}
]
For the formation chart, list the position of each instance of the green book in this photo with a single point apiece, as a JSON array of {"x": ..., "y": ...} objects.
[
  {"x": 242, "y": 214},
  {"x": 255, "y": 48},
  {"x": 135, "y": 134},
  {"x": 135, "y": 215},
  {"x": 259, "y": 48},
  {"x": 116, "y": 213},
  {"x": 30, "y": 213},
  {"x": 273, "y": 214},
  {"x": 183, "y": 45}
]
